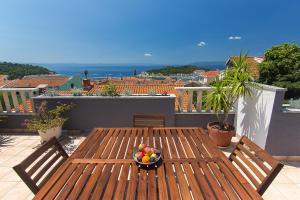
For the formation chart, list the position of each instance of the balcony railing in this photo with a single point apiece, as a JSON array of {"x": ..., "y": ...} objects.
[
  {"x": 191, "y": 104},
  {"x": 18, "y": 100}
]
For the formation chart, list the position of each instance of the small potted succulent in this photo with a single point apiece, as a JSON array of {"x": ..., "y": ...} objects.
[
  {"x": 48, "y": 123},
  {"x": 236, "y": 82}
]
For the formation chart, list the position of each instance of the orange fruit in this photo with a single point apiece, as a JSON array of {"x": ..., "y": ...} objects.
[{"x": 146, "y": 159}]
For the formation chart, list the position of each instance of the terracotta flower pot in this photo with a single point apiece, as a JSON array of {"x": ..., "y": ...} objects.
[{"x": 219, "y": 137}]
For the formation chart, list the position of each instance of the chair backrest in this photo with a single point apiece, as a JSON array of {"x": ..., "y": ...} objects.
[
  {"x": 259, "y": 167},
  {"x": 148, "y": 120},
  {"x": 38, "y": 167}
]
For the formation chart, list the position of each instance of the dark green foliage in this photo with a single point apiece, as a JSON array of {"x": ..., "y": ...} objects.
[
  {"x": 236, "y": 83},
  {"x": 46, "y": 119},
  {"x": 110, "y": 89},
  {"x": 282, "y": 68},
  {"x": 14, "y": 70},
  {"x": 185, "y": 69},
  {"x": 86, "y": 72}
]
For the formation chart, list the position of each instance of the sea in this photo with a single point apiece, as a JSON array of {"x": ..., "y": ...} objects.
[{"x": 102, "y": 71}]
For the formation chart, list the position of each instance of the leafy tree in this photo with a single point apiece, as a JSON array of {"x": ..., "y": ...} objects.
[
  {"x": 281, "y": 68},
  {"x": 15, "y": 70},
  {"x": 86, "y": 72},
  {"x": 185, "y": 69}
]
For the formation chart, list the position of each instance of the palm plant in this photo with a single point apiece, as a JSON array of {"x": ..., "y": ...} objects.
[
  {"x": 236, "y": 83},
  {"x": 86, "y": 72}
]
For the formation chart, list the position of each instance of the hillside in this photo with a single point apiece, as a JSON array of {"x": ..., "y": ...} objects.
[
  {"x": 15, "y": 70},
  {"x": 185, "y": 69}
]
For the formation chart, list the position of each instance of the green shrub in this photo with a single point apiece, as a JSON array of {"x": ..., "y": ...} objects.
[
  {"x": 152, "y": 92},
  {"x": 46, "y": 119},
  {"x": 77, "y": 92},
  {"x": 110, "y": 90}
]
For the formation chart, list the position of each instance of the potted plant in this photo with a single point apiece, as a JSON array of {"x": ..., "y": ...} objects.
[
  {"x": 236, "y": 82},
  {"x": 48, "y": 123}
]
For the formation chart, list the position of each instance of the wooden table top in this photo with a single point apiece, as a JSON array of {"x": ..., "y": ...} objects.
[{"x": 192, "y": 167}]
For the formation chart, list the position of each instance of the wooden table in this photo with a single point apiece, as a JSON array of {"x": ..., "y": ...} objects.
[{"x": 102, "y": 168}]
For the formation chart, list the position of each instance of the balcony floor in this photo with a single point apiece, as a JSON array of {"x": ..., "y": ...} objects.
[{"x": 14, "y": 148}]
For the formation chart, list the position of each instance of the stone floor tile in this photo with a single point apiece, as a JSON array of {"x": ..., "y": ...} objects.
[
  {"x": 289, "y": 191},
  {"x": 19, "y": 192},
  {"x": 4, "y": 171},
  {"x": 282, "y": 178},
  {"x": 14, "y": 160},
  {"x": 30, "y": 197},
  {"x": 272, "y": 194},
  {"x": 6, "y": 187},
  {"x": 27, "y": 143},
  {"x": 11, "y": 176},
  {"x": 293, "y": 174},
  {"x": 3, "y": 159}
]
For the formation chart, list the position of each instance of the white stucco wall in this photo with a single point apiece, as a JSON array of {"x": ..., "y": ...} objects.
[{"x": 254, "y": 114}]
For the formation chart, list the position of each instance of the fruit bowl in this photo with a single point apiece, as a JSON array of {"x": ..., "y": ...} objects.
[{"x": 147, "y": 156}]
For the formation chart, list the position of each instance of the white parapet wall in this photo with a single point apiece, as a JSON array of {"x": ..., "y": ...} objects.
[{"x": 254, "y": 114}]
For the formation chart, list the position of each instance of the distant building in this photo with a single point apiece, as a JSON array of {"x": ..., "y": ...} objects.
[
  {"x": 199, "y": 72},
  {"x": 139, "y": 89},
  {"x": 73, "y": 82},
  {"x": 3, "y": 80},
  {"x": 53, "y": 81},
  {"x": 209, "y": 76},
  {"x": 253, "y": 64}
]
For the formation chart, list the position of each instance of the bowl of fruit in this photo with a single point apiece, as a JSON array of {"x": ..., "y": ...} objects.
[{"x": 146, "y": 156}]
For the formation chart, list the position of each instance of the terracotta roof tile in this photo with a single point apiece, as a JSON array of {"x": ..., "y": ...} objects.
[
  {"x": 253, "y": 64},
  {"x": 211, "y": 73},
  {"x": 144, "y": 89},
  {"x": 34, "y": 81}
]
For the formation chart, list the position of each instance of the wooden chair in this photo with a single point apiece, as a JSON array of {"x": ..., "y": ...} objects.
[
  {"x": 148, "y": 120},
  {"x": 255, "y": 163},
  {"x": 38, "y": 167}
]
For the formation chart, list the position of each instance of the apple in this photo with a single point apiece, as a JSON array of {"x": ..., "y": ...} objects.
[
  {"x": 147, "y": 149},
  {"x": 139, "y": 154},
  {"x": 153, "y": 156},
  {"x": 142, "y": 146}
]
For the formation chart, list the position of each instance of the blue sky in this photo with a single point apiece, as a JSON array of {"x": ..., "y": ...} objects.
[{"x": 143, "y": 31}]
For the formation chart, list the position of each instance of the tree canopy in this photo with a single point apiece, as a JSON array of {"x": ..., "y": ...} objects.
[
  {"x": 281, "y": 68},
  {"x": 15, "y": 70},
  {"x": 185, "y": 69}
]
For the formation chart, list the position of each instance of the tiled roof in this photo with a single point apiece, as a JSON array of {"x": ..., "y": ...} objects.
[
  {"x": 144, "y": 89},
  {"x": 3, "y": 80},
  {"x": 211, "y": 73},
  {"x": 136, "y": 80},
  {"x": 34, "y": 81},
  {"x": 252, "y": 62}
]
